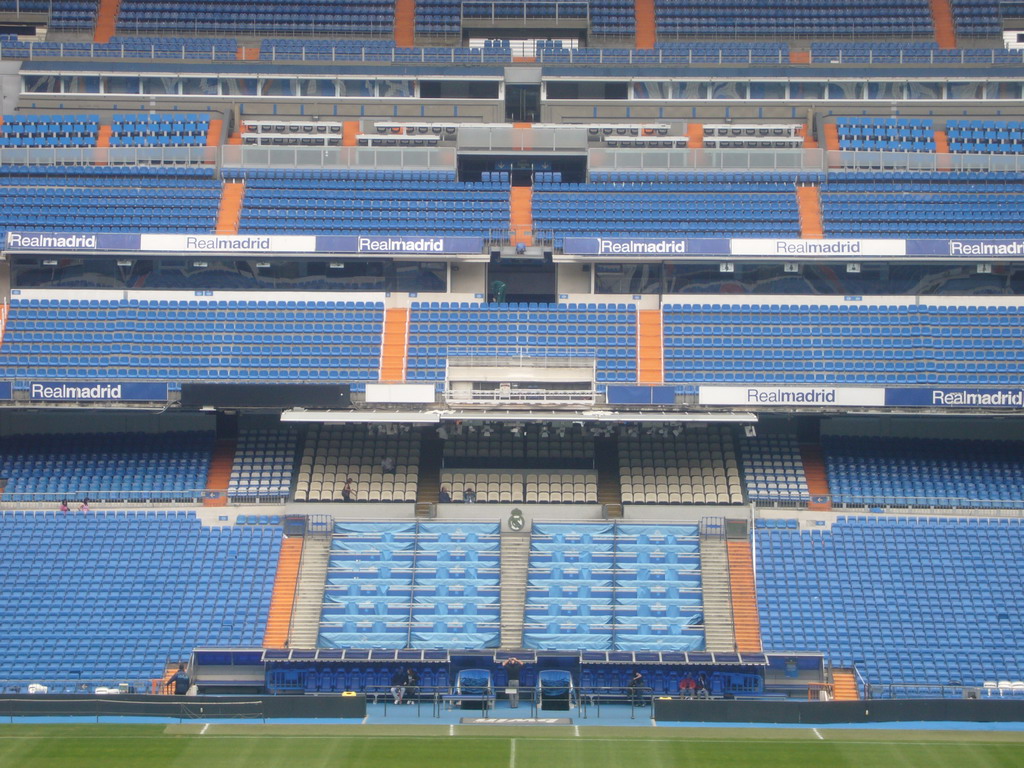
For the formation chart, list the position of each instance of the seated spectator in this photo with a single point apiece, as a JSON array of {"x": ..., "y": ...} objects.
[
  {"x": 412, "y": 685},
  {"x": 469, "y": 495},
  {"x": 443, "y": 497},
  {"x": 398, "y": 685},
  {"x": 64, "y": 506},
  {"x": 687, "y": 687},
  {"x": 387, "y": 465},
  {"x": 347, "y": 491},
  {"x": 702, "y": 686}
]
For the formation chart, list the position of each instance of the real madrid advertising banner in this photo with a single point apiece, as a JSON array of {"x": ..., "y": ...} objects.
[
  {"x": 792, "y": 396},
  {"x": 955, "y": 397},
  {"x": 97, "y": 242},
  {"x": 108, "y": 392},
  {"x": 853, "y": 397}
]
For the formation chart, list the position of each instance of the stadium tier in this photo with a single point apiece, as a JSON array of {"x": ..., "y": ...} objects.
[
  {"x": 412, "y": 585},
  {"x": 893, "y": 595},
  {"x": 890, "y": 134},
  {"x": 105, "y": 467},
  {"x": 372, "y": 466},
  {"x": 371, "y": 202},
  {"x": 48, "y": 130},
  {"x": 263, "y": 465},
  {"x": 602, "y": 332},
  {"x": 99, "y": 599},
  {"x": 614, "y": 587},
  {"x": 154, "y": 130},
  {"x": 677, "y": 209},
  {"x": 620, "y": 336},
  {"x": 109, "y": 199},
  {"x": 364, "y": 17},
  {"x": 181, "y": 340},
  {"x": 806, "y": 18},
  {"x": 941, "y": 473},
  {"x": 861, "y": 344}
]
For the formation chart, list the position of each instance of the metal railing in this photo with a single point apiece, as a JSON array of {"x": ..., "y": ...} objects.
[
  {"x": 399, "y": 158},
  {"x": 108, "y": 155},
  {"x": 33, "y": 50},
  {"x": 520, "y": 396},
  {"x": 548, "y": 138},
  {"x": 607, "y": 159},
  {"x": 553, "y": 11},
  {"x": 95, "y": 498},
  {"x": 899, "y": 505}
]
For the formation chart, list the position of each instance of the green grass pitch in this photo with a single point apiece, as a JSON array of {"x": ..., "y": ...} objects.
[{"x": 246, "y": 745}]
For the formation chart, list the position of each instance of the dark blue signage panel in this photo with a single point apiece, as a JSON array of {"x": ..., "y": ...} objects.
[
  {"x": 5, "y": 390},
  {"x": 969, "y": 249},
  {"x": 389, "y": 244},
  {"x": 619, "y": 394},
  {"x": 955, "y": 397},
  {"x": 110, "y": 392},
  {"x": 72, "y": 242},
  {"x": 644, "y": 246}
]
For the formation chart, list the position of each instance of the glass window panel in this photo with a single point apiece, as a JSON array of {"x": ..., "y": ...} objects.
[
  {"x": 160, "y": 86},
  {"x": 277, "y": 87},
  {"x": 924, "y": 90},
  {"x": 309, "y": 86},
  {"x": 240, "y": 86},
  {"x": 652, "y": 89},
  {"x": 42, "y": 83},
  {"x": 885, "y": 90},
  {"x": 396, "y": 89},
  {"x": 762, "y": 90},
  {"x": 692, "y": 90},
  {"x": 420, "y": 276},
  {"x": 120, "y": 85},
  {"x": 356, "y": 88},
  {"x": 200, "y": 86},
  {"x": 799, "y": 90},
  {"x": 972, "y": 90},
  {"x": 848, "y": 90},
  {"x": 729, "y": 90},
  {"x": 1004, "y": 90},
  {"x": 627, "y": 278}
]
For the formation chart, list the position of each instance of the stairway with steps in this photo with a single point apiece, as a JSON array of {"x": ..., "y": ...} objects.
[
  {"x": 309, "y": 592},
  {"x": 817, "y": 477},
  {"x": 719, "y": 631},
  {"x": 744, "y": 596},
  {"x": 282, "y": 599},
  {"x": 429, "y": 480},
  {"x": 219, "y": 473},
  {"x": 609, "y": 488},
  {"x": 844, "y": 685},
  {"x": 515, "y": 565}
]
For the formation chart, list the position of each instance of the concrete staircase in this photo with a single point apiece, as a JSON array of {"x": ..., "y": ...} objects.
[
  {"x": 309, "y": 592},
  {"x": 844, "y": 685},
  {"x": 515, "y": 562},
  {"x": 609, "y": 488},
  {"x": 719, "y": 632}
]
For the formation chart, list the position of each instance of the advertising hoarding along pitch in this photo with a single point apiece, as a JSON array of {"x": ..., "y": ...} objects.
[
  {"x": 955, "y": 397},
  {"x": 83, "y": 242},
  {"x": 114, "y": 392},
  {"x": 791, "y": 396}
]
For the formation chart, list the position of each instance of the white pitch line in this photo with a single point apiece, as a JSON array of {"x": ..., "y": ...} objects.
[
  {"x": 451, "y": 729},
  {"x": 512, "y": 755},
  {"x": 818, "y": 734},
  {"x": 204, "y": 729},
  {"x": 576, "y": 730}
]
